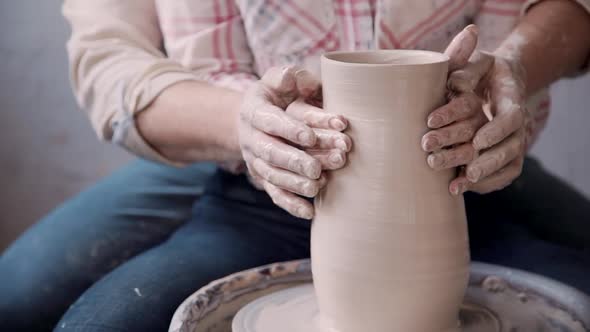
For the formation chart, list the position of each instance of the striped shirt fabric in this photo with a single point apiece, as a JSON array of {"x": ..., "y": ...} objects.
[{"x": 231, "y": 43}]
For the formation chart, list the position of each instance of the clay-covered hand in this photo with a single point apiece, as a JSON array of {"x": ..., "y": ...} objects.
[
  {"x": 286, "y": 141},
  {"x": 483, "y": 127}
]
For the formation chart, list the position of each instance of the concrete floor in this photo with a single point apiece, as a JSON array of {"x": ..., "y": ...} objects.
[{"x": 48, "y": 151}]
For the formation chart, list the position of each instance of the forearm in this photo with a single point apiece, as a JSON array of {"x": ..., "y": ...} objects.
[
  {"x": 193, "y": 121},
  {"x": 550, "y": 42}
]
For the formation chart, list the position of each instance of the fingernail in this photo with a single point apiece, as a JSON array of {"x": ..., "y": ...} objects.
[
  {"x": 435, "y": 121},
  {"x": 309, "y": 189},
  {"x": 337, "y": 124},
  {"x": 435, "y": 160},
  {"x": 430, "y": 143},
  {"x": 473, "y": 29},
  {"x": 455, "y": 189},
  {"x": 313, "y": 169},
  {"x": 336, "y": 159},
  {"x": 341, "y": 144},
  {"x": 458, "y": 188},
  {"x": 304, "y": 213},
  {"x": 473, "y": 174},
  {"x": 305, "y": 138}
]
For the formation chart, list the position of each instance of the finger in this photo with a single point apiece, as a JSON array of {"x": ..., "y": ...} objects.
[
  {"x": 460, "y": 184},
  {"x": 286, "y": 180},
  {"x": 444, "y": 159},
  {"x": 284, "y": 156},
  {"x": 315, "y": 117},
  {"x": 254, "y": 178},
  {"x": 460, "y": 107},
  {"x": 256, "y": 181},
  {"x": 459, "y": 132},
  {"x": 509, "y": 118},
  {"x": 496, "y": 158},
  {"x": 461, "y": 47},
  {"x": 331, "y": 139},
  {"x": 467, "y": 78},
  {"x": 499, "y": 180},
  {"x": 323, "y": 181},
  {"x": 289, "y": 202},
  {"x": 329, "y": 159},
  {"x": 308, "y": 84},
  {"x": 281, "y": 80},
  {"x": 273, "y": 121},
  {"x": 507, "y": 107}
]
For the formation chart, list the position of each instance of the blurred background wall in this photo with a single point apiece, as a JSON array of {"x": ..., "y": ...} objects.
[{"x": 48, "y": 151}]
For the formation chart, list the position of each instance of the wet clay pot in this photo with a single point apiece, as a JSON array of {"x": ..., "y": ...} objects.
[{"x": 389, "y": 244}]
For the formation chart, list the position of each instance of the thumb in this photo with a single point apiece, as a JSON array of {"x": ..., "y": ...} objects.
[
  {"x": 282, "y": 83},
  {"x": 308, "y": 84},
  {"x": 461, "y": 47},
  {"x": 468, "y": 78}
]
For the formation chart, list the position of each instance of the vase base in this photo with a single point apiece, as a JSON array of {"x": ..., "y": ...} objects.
[
  {"x": 296, "y": 310},
  {"x": 497, "y": 299}
]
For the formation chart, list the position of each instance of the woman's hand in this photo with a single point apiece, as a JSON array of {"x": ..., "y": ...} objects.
[
  {"x": 286, "y": 141},
  {"x": 490, "y": 144}
]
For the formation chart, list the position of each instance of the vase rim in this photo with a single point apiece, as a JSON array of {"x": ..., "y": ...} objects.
[{"x": 385, "y": 58}]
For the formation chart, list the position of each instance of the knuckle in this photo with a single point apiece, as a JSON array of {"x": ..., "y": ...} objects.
[
  {"x": 466, "y": 156},
  {"x": 265, "y": 151},
  {"x": 442, "y": 135},
  {"x": 501, "y": 131},
  {"x": 309, "y": 116},
  {"x": 314, "y": 168},
  {"x": 310, "y": 188},
  {"x": 500, "y": 157},
  {"x": 292, "y": 110},
  {"x": 467, "y": 132},
  {"x": 466, "y": 102},
  {"x": 295, "y": 161},
  {"x": 271, "y": 176},
  {"x": 519, "y": 116}
]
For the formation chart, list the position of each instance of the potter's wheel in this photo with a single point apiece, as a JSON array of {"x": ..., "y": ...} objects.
[
  {"x": 498, "y": 299},
  {"x": 296, "y": 310}
]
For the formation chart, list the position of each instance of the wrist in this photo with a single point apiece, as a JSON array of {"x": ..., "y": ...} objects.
[
  {"x": 231, "y": 142},
  {"x": 192, "y": 121}
]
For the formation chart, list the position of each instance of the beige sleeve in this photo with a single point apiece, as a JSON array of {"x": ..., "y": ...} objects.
[
  {"x": 585, "y": 4},
  {"x": 117, "y": 67}
]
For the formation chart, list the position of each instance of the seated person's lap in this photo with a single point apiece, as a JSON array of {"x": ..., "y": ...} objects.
[
  {"x": 140, "y": 214},
  {"x": 56, "y": 260}
]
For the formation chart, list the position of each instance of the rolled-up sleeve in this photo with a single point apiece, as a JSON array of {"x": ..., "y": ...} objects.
[
  {"x": 584, "y": 4},
  {"x": 208, "y": 38},
  {"x": 117, "y": 67}
]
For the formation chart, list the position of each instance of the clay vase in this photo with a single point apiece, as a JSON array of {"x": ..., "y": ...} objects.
[{"x": 389, "y": 243}]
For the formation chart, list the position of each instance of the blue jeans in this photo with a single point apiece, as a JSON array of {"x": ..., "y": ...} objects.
[{"x": 124, "y": 254}]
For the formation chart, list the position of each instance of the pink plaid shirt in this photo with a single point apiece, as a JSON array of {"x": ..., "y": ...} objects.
[{"x": 232, "y": 43}]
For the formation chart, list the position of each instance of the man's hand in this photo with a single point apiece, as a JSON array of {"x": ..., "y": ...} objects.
[
  {"x": 490, "y": 144},
  {"x": 286, "y": 141}
]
